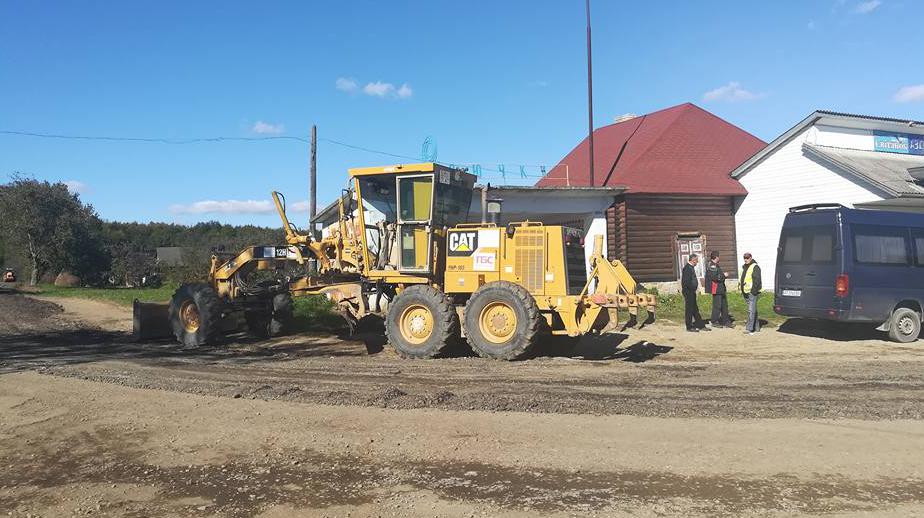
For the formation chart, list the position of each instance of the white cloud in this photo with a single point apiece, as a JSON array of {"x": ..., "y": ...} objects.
[
  {"x": 76, "y": 186},
  {"x": 266, "y": 128},
  {"x": 235, "y": 207},
  {"x": 732, "y": 92},
  {"x": 345, "y": 84},
  {"x": 378, "y": 89},
  {"x": 405, "y": 91},
  {"x": 867, "y": 7},
  {"x": 909, "y": 94}
]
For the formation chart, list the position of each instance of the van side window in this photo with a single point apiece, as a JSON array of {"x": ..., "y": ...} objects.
[
  {"x": 919, "y": 249},
  {"x": 880, "y": 245},
  {"x": 792, "y": 249}
]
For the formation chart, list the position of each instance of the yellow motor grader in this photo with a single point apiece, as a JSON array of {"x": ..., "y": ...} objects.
[{"x": 401, "y": 249}]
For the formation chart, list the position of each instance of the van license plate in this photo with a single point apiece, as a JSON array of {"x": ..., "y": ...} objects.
[{"x": 792, "y": 293}]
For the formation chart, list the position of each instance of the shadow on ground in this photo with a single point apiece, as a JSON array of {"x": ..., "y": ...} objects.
[
  {"x": 608, "y": 346},
  {"x": 837, "y": 331}
]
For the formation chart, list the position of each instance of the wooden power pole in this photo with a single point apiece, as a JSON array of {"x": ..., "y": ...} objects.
[
  {"x": 590, "y": 98},
  {"x": 313, "y": 181}
]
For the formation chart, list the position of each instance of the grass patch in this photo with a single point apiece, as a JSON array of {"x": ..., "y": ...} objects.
[
  {"x": 121, "y": 296},
  {"x": 670, "y": 307},
  {"x": 316, "y": 313}
]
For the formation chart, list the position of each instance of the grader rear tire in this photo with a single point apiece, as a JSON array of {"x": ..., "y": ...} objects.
[
  {"x": 502, "y": 321},
  {"x": 421, "y": 323},
  {"x": 195, "y": 315}
]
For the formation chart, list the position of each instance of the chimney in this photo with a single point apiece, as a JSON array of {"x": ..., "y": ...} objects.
[{"x": 625, "y": 117}]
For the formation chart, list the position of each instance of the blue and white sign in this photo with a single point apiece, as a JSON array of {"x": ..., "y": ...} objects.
[{"x": 898, "y": 143}]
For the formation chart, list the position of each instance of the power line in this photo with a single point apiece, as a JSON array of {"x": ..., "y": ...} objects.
[
  {"x": 158, "y": 140},
  {"x": 483, "y": 171},
  {"x": 360, "y": 148}
]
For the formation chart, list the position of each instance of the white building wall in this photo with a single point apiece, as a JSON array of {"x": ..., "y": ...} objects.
[
  {"x": 785, "y": 179},
  {"x": 594, "y": 225}
]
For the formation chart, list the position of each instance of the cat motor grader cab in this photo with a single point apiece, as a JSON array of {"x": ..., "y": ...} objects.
[{"x": 401, "y": 249}]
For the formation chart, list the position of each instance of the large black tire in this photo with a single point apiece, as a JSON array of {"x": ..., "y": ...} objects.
[
  {"x": 430, "y": 323},
  {"x": 511, "y": 312},
  {"x": 905, "y": 325},
  {"x": 274, "y": 321},
  {"x": 195, "y": 315}
]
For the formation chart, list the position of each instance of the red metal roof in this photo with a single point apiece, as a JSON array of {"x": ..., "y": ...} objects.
[{"x": 679, "y": 150}]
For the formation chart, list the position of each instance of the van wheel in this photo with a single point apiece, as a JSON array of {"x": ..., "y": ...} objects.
[{"x": 905, "y": 325}]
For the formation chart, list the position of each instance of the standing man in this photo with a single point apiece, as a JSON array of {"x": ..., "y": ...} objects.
[
  {"x": 689, "y": 285},
  {"x": 750, "y": 285},
  {"x": 715, "y": 285}
]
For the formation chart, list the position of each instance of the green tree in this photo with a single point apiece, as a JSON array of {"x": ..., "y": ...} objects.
[{"x": 52, "y": 228}]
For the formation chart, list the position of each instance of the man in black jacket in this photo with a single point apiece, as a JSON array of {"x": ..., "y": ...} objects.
[
  {"x": 750, "y": 284},
  {"x": 689, "y": 285},
  {"x": 715, "y": 286}
]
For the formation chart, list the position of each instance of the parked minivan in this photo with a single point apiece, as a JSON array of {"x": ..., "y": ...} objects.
[{"x": 852, "y": 265}]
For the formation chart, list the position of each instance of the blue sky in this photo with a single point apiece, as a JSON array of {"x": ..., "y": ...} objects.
[{"x": 491, "y": 82}]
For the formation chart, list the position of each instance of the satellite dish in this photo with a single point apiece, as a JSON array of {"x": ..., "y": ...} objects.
[{"x": 428, "y": 151}]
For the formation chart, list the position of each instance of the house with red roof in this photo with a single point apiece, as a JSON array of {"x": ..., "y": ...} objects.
[{"x": 672, "y": 191}]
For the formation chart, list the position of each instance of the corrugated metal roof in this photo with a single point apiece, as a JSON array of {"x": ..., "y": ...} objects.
[
  {"x": 867, "y": 117},
  {"x": 887, "y": 171}
]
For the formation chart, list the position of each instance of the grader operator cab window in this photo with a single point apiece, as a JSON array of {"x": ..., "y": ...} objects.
[{"x": 415, "y": 206}]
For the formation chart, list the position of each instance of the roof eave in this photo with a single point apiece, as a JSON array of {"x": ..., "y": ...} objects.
[
  {"x": 818, "y": 154},
  {"x": 776, "y": 143}
]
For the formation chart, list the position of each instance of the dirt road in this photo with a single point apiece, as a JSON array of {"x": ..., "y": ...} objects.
[{"x": 650, "y": 424}]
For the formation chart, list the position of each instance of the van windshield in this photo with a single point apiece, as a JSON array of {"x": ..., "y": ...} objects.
[{"x": 808, "y": 245}]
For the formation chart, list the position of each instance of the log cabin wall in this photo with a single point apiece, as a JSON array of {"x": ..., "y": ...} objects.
[{"x": 642, "y": 229}]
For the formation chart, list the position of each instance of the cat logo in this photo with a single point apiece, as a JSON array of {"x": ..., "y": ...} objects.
[{"x": 462, "y": 243}]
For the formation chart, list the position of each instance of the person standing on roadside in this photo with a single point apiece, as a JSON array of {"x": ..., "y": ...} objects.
[
  {"x": 715, "y": 286},
  {"x": 689, "y": 285},
  {"x": 750, "y": 285}
]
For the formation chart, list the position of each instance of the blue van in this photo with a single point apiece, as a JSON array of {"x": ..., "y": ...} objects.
[{"x": 852, "y": 265}]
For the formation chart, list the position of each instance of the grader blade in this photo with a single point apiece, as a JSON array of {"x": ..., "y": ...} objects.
[{"x": 150, "y": 320}]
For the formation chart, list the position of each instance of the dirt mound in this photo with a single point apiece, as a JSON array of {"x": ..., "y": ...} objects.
[{"x": 17, "y": 309}]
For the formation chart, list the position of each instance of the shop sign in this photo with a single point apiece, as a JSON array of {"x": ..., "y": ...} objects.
[{"x": 898, "y": 143}]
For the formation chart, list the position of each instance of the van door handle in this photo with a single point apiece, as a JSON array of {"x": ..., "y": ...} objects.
[{"x": 810, "y": 274}]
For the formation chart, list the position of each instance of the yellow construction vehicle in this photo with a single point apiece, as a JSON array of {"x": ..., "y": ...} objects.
[{"x": 402, "y": 248}]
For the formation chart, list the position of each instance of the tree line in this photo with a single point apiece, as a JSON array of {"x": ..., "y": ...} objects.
[{"x": 45, "y": 229}]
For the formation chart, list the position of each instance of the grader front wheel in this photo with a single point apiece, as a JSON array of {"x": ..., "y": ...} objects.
[
  {"x": 421, "y": 323},
  {"x": 195, "y": 315},
  {"x": 502, "y": 321}
]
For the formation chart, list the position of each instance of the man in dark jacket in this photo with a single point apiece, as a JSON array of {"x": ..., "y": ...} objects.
[
  {"x": 715, "y": 286},
  {"x": 750, "y": 285},
  {"x": 689, "y": 285}
]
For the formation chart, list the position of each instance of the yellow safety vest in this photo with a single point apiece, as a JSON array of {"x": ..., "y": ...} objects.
[{"x": 747, "y": 279}]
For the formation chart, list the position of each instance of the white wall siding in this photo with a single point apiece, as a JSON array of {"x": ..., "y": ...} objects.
[{"x": 787, "y": 178}]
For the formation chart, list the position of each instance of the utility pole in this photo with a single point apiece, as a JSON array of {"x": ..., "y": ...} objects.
[
  {"x": 313, "y": 181},
  {"x": 590, "y": 97}
]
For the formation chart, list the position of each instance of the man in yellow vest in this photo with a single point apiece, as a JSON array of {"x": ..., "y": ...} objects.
[{"x": 749, "y": 283}]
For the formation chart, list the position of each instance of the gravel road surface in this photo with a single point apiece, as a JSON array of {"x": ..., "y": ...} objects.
[{"x": 654, "y": 422}]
